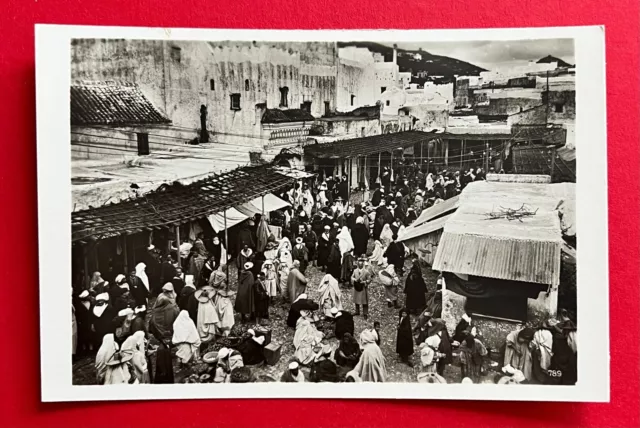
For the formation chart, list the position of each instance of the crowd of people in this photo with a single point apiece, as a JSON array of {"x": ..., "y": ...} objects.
[{"x": 182, "y": 301}]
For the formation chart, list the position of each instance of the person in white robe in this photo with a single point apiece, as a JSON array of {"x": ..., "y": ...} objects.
[
  {"x": 186, "y": 337},
  {"x": 136, "y": 345},
  {"x": 330, "y": 295},
  {"x": 270, "y": 278},
  {"x": 377, "y": 258},
  {"x": 140, "y": 273},
  {"x": 283, "y": 274},
  {"x": 306, "y": 338},
  {"x": 208, "y": 319},
  {"x": 224, "y": 307},
  {"x": 284, "y": 251},
  {"x": 308, "y": 202},
  {"x": 345, "y": 242}
]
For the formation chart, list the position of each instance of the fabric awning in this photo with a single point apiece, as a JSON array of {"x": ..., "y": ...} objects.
[
  {"x": 233, "y": 217},
  {"x": 271, "y": 203}
]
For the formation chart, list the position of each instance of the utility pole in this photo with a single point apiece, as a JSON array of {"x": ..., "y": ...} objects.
[{"x": 546, "y": 122}]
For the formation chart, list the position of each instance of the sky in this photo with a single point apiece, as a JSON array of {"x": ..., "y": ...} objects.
[{"x": 498, "y": 54}]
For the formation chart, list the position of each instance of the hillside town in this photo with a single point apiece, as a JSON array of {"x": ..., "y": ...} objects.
[{"x": 320, "y": 212}]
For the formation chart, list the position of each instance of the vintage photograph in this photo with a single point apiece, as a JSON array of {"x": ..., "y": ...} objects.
[
  {"x": 346, "y": 210},
  {"x": 323, "y": 212}
]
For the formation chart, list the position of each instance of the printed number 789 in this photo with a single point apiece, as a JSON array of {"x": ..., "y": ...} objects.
[{"x": 555, "y": 373}]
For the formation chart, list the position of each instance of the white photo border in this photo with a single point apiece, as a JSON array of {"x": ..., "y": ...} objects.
[{"x": 53, "y": 43}]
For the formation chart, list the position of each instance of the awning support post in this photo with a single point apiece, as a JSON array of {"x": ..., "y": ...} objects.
[
  {"x": 178, "y": 244},
  {"x": 226, "y": 244},
  {"x": 124, "y": 253}
]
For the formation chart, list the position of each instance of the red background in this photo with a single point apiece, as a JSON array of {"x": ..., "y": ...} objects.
[{"x": 19, "y": 369}]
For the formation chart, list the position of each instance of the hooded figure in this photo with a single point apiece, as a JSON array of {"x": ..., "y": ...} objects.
[
  {"x": 135, "y": 345},
  {"x": 245, "y": 304},
  {"x": 415, "y": 290},
  {"x": 140, "y": 273},
  {"x": 323, "y": 368},
  {"x": 386, "y": 236},
  {"x": 207, "y": 320},
  {"x": 390, "y": 281},
  {"x": 330, "y": 295},
  {"x": 108, "y": 348},
  {"x": 301, "y": 303},
  {"x": 164, "y": 313},
  {"x": 334, "y": 261},
  {"x": 324, "y": 245},
  {"x": 348, "y": 353},
  {"x": 296, "y": 282},
  {"x": 284, "y": 251},
  {"x": 517, "y": 352},
  {"x": 377, "y": 258},
  {"x": 371, "y": 367},
  {"x": 395, "y": 255},
  {"x": 404, "y": 339},
  {"x": 102, "y": 317},
  {"x": 305, "y": 339},
  {"x": 186, "y": 337},
  {"x": 344, "y": 241},
  {"x": 360, "y": 237},
  {"x": 218, "y": 253},
  {"x": 262, "y": 233}
]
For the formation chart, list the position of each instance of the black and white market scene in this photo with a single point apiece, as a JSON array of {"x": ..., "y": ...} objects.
[{"x": 323, "y": 212}]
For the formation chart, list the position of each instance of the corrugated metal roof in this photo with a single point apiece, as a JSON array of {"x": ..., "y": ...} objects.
[
  {"x": 413, "y": 231},
  {"x": 112, "y": 103},
  {"x": 508, "y": 259},
  {"x": 437, "y": 210},
  {"x": 520, "y": 250}
]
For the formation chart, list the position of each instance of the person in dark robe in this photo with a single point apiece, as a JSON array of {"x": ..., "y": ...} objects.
[
  {"x": 463, "y": 328},
  {"x": 178, "y": 281},
  {"x": 102, "y": 316},
  {"x": 164, "y": 312},
  {"x": 164, "y": 363},
  {"x": 301, "y": 303},
  {"x": 395, "y": 227},
  {"x": 323, "y": 369},
  {"x": 310, "y": 239},
  {"x": 252, "y": 349},
  {"x": 167, "y": 270},
  {"x": 348, "y": 353},
  {"x": 334, "y": 261},
  {"x": 439, "y": 326},
  {"x": 261, "y": 296},
  {"x": 119, "y": 295},
  {"x": 83, "y": 304},
  {"x": 186, "y": 293},
  {"x": 197, "y": 259},
  {"x": 292, "y": 374},
  {"x": 360, "y": 236},
  {"x": 245, "y": 255},
  {"x": 301, "y": 254},
  {"x": 343, "y": 188},
  {"x": 245, "y": 300},
  {"x": 324, "y": 244},
  {"x": 404, "y": 339},
  {"x": 411, "y": 216},
  {"x": 344, "y": 324},
  {"x": 217, "y": 252},
  {"x": 385, "y": 178},
  {"x": 376, "y": 197},
  {"x": 245, "y": 239},
  {"x": 258, "y": 261},
  {"x": 335, "y": 229},
  {"x": 137, "y": 289},
  {"x": 415, "y": 290},
  {"x": 153, "y": 270},
  {"x": 395, "y": 256}
]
